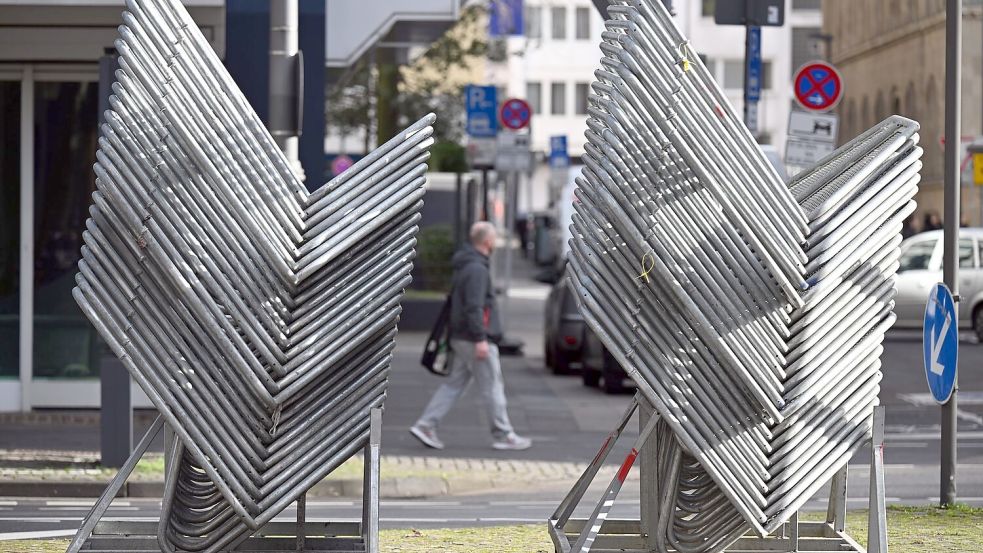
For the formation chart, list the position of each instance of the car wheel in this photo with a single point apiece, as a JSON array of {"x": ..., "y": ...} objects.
[
  {"x": 611, "y": 374},
  {"x": 978, "y": 322},
  {"x": 591, "y": 377},
  {"x": 561, "y": 362}
]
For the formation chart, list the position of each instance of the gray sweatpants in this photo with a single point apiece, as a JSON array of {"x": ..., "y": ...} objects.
[{"x": 465, "y": 367}]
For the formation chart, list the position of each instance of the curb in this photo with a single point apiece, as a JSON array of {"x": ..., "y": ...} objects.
[{"x": 413, "y": 487}]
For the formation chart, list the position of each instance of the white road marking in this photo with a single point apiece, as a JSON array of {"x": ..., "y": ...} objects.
[
  {"x": 8, "y": 503},
  {"x": 915, "y": 436},
  {"x": 420, "y": 503},
  {"x": 965, "y": 398},
  {"x": 41, "y": 534},
  {"x": 529, "y": 292}
]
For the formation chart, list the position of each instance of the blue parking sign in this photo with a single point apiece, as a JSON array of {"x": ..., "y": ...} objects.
[
  {"x": 481, "y": 105},
  {"x": 558, "y": 151}
]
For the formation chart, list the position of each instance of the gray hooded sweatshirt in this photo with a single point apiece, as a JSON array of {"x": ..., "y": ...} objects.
[{"x": 474, "y": 314}]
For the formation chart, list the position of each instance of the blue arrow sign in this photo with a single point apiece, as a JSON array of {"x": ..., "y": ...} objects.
[{"x": 940, "y": 342}]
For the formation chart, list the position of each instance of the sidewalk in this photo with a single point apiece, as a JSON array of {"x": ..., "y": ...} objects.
[
  {"x": 56, "y": 453},
  {"x": 402, "y": 477}
]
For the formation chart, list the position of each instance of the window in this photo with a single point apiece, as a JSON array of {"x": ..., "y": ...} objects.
[
  {"x": 917, "y": 256},
  {"x": 558, "y": 99},
  {"x": 580, "y": 98},
  {"x": 583, "y": 23},
  {"x": 534, "y": 22},
  {"x": 734, "y": 74},
  {"x": 559, "y": 22},
  {"x": 708, "y": 7},
  {"x": 966, "y": 254},
  {"x": 805, "y": 45},
  {"x": 534, "y": 95}
]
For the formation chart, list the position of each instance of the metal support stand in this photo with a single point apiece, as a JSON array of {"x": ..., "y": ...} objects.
[
  {"x": 600, "y": 534},
  {"x": 97, "y": 535}
]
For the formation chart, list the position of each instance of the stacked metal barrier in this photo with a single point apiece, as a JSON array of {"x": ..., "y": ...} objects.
[
  {"x": 258, "y": 318},
  {"x": 749, "y": 312}
]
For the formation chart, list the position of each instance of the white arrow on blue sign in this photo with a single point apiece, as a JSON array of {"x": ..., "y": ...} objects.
[{"x": 940, "y": 343}]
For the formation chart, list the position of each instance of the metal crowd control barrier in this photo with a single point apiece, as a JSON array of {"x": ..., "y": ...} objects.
[
  {"x": 749, "y": 312},
  {"x": 258, "y": 318}
]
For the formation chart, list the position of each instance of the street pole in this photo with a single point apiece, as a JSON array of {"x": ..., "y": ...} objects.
[
  {"x": 284, "y": 118},
  {"x": 950, "y": 260}
]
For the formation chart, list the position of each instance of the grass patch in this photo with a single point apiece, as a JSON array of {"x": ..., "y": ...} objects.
[
  {"x": 910, "y": 530},
  {"x": 498, "y": 539}
]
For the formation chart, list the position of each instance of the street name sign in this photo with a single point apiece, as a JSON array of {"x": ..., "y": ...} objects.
[
  {"x": 817, "y": 86},
  {"x": 940, "y": 343}
]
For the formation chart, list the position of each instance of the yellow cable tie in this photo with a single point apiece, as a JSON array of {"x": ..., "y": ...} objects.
[
  {"x": 646, "y": 269},
  {"x": 686, "y": 65}
]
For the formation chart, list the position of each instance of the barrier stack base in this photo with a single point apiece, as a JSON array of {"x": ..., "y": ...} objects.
[
  {"x": 275, "y": 537},
  {"x": 96, "y": 535},
  {"x": 625, "y": 536},
  {"x": 600, "y": 534}
]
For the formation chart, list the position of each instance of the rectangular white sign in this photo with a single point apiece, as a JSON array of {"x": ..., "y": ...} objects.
[
  {"x": 806, "y": 153},
  {"x": 822, "y": 127},
  {"x": 513, "y": 152}
]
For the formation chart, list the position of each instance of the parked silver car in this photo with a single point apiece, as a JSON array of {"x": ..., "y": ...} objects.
[{"x": 921, "y": 268}]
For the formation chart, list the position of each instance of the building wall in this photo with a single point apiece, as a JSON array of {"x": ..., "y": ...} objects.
[
  {"x": 892, "y": 57},
  {"x": 49, "y": 72}
]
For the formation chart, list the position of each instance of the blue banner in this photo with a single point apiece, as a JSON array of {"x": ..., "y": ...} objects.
[
  {"x": 753, "y": 74},
  {"x": 505, "y": 18}
]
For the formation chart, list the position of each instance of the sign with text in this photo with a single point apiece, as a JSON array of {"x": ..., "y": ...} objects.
[
  {"x": 481, "y": 106},
  {"x": 811, "y": 137},
  {"x": 513, "y": 152}
]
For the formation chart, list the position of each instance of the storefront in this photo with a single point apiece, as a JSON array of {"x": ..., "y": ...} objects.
[{"x": 50, "y": 355}]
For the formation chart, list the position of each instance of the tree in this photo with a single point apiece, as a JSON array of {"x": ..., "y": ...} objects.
[{"x": 433, "y": 82}]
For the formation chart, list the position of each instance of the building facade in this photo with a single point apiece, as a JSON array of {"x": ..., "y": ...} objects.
[
  {"x": 553, "y": 65},
  {"x": 50, "y": 356},
  {"x": 891, "y": 54}
]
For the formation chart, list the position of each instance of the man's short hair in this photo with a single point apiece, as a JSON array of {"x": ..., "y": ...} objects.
[{"x": 480, "y": 232}]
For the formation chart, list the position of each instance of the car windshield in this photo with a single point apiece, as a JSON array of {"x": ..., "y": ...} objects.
[{"x": 917, "y": 256}]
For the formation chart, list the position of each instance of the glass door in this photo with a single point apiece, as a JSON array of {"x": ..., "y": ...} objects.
[
  {"x": 65, "y": 135},
  {"x": 10, "y": 157}
]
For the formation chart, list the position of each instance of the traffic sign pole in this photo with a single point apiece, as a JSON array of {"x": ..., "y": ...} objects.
[{"x": 950, "y": 260}]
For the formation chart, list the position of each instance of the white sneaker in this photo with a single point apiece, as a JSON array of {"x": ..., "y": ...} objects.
[
  {"x": 513, "y": 442},
  {"x": 427, "y": 435}
]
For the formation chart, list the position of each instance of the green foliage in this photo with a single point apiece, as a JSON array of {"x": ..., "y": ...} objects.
[
  {"x": 435, "y": 247},
  {"x": 414, "y": 90},
  {"x": 448, "y": 157}
]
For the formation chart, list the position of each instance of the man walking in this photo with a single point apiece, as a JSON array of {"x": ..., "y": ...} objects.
[{"x": 475, "y": 328}]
